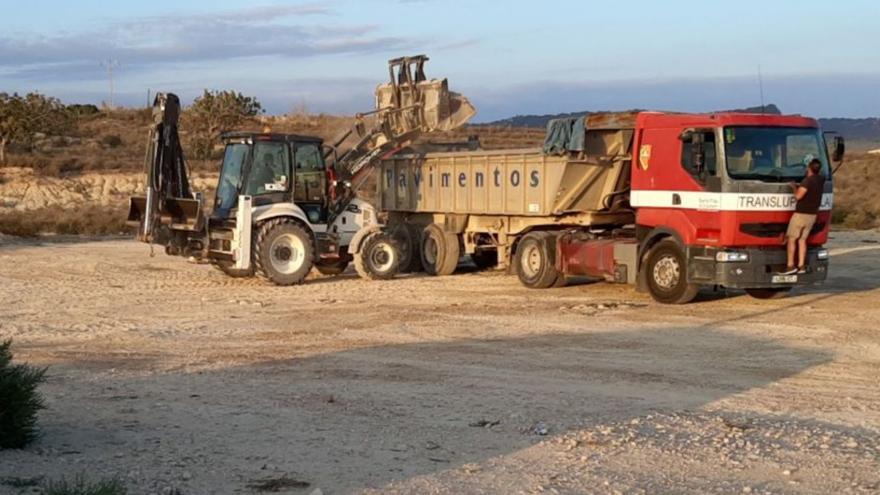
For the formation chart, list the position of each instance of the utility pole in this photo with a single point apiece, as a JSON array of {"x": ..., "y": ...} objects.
[{"x": 110, "y": 64}]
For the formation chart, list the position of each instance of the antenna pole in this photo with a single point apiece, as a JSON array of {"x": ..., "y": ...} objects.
[{"x": 110, "y": 64}]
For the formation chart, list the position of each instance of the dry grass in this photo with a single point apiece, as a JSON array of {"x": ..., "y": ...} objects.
[{"x": 85, "y": 220}]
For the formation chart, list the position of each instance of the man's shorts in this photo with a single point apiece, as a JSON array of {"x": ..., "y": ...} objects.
[{"x": 800, "y": 225}]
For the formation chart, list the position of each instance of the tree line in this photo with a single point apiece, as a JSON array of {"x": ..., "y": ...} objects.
[{"x": 25, "y": 117}]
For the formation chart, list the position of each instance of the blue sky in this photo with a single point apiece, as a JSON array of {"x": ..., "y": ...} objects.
[{"x": 510, "y": 57}]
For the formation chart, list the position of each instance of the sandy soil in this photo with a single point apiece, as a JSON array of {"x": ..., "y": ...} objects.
[{"x": 179, "y": 380}]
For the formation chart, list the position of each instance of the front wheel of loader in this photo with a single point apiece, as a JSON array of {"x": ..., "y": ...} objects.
[
  {"x": 228, "y": 267},
  {"x": 378, "y": 258},
  {"x": 283, "y": 252},
  {"x": 439, "y": 250}
]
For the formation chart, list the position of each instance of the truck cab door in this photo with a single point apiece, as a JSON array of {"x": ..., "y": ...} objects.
[{"x": 310, "y": 180}]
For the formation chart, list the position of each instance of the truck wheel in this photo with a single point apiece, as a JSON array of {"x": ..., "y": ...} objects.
[
  {"x": 485, "y": 259},
  {"x": 771, "y": 293},
  {"x": 228, "y": 267},
  {"x": 439, "y": 250},
  {"x": 407, "y": 237},
  {"x": 535, "y": 260},
  {"x": 283, "y": 252},
  {"x": 378, "y": 258},
  {"x": 666, "y": 273}
]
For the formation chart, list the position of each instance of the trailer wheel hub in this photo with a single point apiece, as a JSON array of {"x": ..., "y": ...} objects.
[
  {"x": 667, "y": 272},
  {"x": 533, "y": 260}
]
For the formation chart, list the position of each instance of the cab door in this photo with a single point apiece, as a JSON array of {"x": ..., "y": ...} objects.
[
  {"x": 268, "y": 178},
  {"x": 310, "y": 180}
]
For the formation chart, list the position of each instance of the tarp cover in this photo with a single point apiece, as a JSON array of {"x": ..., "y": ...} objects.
[{"x": 565, "y": 134}]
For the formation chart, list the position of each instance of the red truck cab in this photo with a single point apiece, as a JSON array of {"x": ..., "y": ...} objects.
[{"x": 711, "y": 193}]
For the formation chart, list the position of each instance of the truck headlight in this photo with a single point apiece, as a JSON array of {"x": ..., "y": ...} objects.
[
  {"x": 822, "y": 254},
  {"x": 731, "y": 257}
]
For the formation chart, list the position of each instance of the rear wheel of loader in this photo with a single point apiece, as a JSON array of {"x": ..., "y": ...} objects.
[
  {"x": 407, "y": 237},
  {"x": 535, "y": 260},
  {"x": 666, "y": 274},
  {"x": 283, "y": 252},
  {"x": 378, "y": 258},
  {"x": 228, "y": 267},
  {"x": 439, "y": 250},
  {"x": 771, "y": 293}
]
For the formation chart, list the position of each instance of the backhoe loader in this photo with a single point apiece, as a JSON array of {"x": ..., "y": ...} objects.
[{"x": 286, "y": 203}]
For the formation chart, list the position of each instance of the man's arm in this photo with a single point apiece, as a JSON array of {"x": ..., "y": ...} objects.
[{"x": 798, "y": 190}]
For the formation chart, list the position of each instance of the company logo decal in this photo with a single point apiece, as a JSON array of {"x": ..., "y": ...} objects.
[{"x": 645, "y": 156}]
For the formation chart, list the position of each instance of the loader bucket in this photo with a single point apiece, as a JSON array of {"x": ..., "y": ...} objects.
[{"x": 426, "y": 106}]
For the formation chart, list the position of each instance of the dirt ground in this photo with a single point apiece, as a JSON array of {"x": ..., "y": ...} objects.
[{"x": 179, "y": 380}]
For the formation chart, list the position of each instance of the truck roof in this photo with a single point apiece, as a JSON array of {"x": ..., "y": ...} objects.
[
  {"x": 662, "y": 119},
  {"x": 269, "y": 136}
]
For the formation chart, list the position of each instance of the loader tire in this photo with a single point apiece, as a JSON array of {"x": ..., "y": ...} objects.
[
  {"x": 378, "y": 258},
  {"x": 228, "y": 267},
  {"x": 284, "y": 252},
  {"x": 439, "y": 250},
  {"x": 535, "y": 260},
  {"x": 407, "y": 236},
  {"x": 666, "y": 274}
]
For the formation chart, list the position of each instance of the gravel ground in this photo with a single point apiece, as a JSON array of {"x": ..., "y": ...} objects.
[{"x": 175, "y": 379}]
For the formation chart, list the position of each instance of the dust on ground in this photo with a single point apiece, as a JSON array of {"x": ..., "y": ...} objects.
[{"x": 177, "y": 379}]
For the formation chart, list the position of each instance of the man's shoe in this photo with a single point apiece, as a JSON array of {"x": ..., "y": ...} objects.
[
  {"x": 789, "y": 271},
  {"x": 801, "y": 270}
]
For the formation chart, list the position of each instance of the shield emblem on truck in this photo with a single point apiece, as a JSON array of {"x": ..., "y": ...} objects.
[{"x": 645, "y": 156}]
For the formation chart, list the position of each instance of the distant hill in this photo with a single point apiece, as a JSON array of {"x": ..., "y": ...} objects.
[{"x": 863, "y": 133}]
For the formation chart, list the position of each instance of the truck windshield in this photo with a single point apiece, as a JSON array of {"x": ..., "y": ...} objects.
[
  {"x": 772, "y": 154},
  {"x": 230, "y": 175}
]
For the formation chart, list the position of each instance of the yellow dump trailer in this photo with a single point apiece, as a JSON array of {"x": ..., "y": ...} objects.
[{"x": 443, "y": 205}]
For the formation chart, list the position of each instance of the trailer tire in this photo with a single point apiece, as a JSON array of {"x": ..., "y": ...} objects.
[
  {"x": 228, "y": 267},
  {"x": 378, "y": 258},
  {"x": 439, "y": 250},
  {"x": 535, "y": 260},
  {"x": 769, "y": 293},
  {"x": 407, "y": 236},
  {"x": 666, "y": 274},
  {"x": 284, "y": 252}
]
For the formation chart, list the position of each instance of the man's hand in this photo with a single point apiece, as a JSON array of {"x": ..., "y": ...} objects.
[{"x": 793, "y": 185}]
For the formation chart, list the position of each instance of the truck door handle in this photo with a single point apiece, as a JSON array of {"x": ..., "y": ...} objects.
[{"x": 676, "y": 199}]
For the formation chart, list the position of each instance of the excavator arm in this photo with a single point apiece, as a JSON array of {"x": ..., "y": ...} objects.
[{"x": 169, "y": 211}]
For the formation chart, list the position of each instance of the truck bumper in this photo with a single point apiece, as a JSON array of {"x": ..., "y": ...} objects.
[{"x": 760, "y": 271}]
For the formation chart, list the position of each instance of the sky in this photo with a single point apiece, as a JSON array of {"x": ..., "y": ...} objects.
[{"x": 509, "y": 57}]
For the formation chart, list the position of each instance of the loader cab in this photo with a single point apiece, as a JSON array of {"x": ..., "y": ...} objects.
[{"x": 272, "y": 169}]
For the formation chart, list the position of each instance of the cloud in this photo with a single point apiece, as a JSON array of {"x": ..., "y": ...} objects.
[{"x": 148, "y": 42}]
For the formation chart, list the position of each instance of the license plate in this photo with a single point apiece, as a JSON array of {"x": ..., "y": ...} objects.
[{"x": 784, "y": 279}]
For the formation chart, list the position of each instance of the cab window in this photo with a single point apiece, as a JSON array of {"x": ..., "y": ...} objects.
[
  {"x": 270, "y": 170},
  {"x": 310, "y": 176},
  {"x": 690, "y": 149}
]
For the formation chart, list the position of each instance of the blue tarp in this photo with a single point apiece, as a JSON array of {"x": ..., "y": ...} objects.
[{"x": 565, "y": 134}]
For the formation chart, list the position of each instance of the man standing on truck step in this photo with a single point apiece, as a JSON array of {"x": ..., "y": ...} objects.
[{"x": 809, "y": 196}]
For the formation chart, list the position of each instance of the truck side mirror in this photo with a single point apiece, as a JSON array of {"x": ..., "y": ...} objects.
[
  {"x": 697, "y": 140},
  {"x": 839, "y": 149}
]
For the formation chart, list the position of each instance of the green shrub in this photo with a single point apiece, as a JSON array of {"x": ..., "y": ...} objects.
[
  {"x": 80, "y": 486},
  {"x": 19, "y": 400}
]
